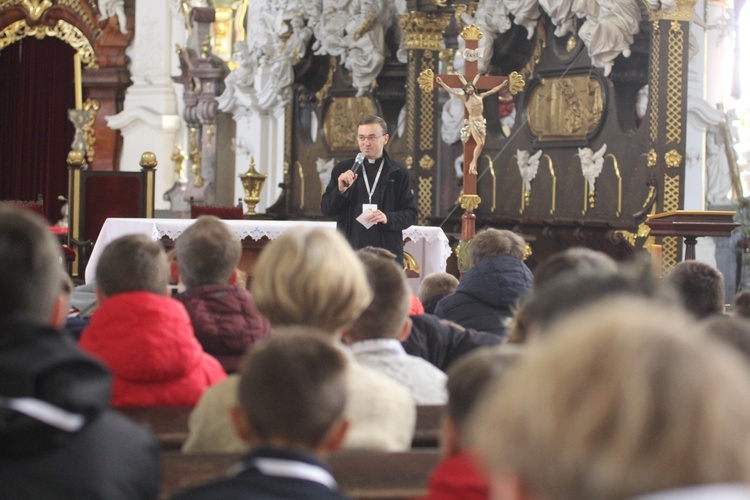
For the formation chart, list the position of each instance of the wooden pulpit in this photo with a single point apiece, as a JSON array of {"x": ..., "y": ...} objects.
[{"x": 692, "y": 225}]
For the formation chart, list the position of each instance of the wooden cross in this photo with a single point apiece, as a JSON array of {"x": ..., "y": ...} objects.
[{"x": 471, "y": 34}]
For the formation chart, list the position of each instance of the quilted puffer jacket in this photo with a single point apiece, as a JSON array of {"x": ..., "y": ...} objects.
[
  {"x": 147, "y": 342},
  {"x": 487, "y": 294},
  {"x": 225, "y": 320}
]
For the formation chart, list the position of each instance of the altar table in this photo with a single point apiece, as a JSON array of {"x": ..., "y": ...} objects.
[{"x": 427, "y": 244}]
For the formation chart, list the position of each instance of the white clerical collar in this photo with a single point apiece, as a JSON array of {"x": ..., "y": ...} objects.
[
  {"x": 378, "y": 345},
  {"x": 281, "y": 467}
]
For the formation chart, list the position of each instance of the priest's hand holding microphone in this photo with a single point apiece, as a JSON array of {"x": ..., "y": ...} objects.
[{"x": 347, "y": 179}]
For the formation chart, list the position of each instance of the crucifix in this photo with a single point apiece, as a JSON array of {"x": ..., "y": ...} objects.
[{"x": 474, "y": 132}]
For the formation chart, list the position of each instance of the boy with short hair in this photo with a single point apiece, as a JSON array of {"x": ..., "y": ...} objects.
[
  {"x": 375, "y": 337},
  {"x": 292, "y": 395},
  {"x": 225, "y": 318}
]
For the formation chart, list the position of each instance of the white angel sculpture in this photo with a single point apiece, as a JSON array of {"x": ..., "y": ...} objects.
[
  {"x": 528, "y": 165},
  {"x": 109, "y": 8},
  {"x": 608, "y": 30},
  {"x": 526, "y": 13},
  {"x": 324, "y": 169},
  {"x": 591, "y": 164}
]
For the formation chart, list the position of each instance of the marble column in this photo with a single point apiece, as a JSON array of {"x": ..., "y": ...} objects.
[{"x": 149, "y": 120}]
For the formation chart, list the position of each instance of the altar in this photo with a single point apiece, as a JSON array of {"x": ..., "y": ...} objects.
[{"x": 428, "y": 245}]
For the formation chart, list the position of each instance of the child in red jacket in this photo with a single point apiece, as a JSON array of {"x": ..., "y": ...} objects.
[{"x": 142, "y": 335}]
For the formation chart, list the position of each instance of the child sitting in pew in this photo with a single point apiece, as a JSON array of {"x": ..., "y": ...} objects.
[
  {"x": 457, "y": 476},
  {"x": 292, "y": 394}
]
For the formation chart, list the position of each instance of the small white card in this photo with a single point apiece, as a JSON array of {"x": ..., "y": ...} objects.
[{"x": 367, "y": 211}]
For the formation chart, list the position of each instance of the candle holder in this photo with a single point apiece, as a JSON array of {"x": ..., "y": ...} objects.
[{"x": 252, "y": 183}]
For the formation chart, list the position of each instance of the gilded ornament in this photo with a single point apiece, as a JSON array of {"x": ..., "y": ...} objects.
[
  {"x": 424, "y": 203},
  {"x": 426, "y": 162},
  {"x": 565, "y": 108},
  {"x": 674, "y": 83},
  {"x": 516, "y": 83},
  {"x": 321, "y": 94},
  {"x": 369, "y": 23},
  {"x": 540, "y": 44},
  {"x": 470, "y": 202},
  {"x": 301, "y": 174},
  {"x": 653, "y": 87},
  {"x": 672, "y": 158},
  {"x": 409, "y": 162},
  {"x": 223, "y": 33},
  {"x": 148, "y": 160},
  {"x": 570, "y": 45},
  {"x": 342, "y": 117},
  {"x": 471, "y": 33},
  {"x": 75, "y": 159},
  {"x": 427, "y": 108},
  {"x": 179, "y": 157},
  {"x": 77, "y": 7},
  {"x": 411, "y": 102},
  {"x": 627, "y": 236},
  {"x": 528, "y": 252},
  {"x": 459, "y": 10},
  {"x": 426, "y": 80},
  {"x": 252, "y": 183},
  {"x": 36, "y": 8},
  {"x": 491, "y": 168},
  {"x": 651, "y": 158},
  {"x": 423, "y": 30},
  {"x": 61, "y": 30},
  {"x": 89, "y": 132}
]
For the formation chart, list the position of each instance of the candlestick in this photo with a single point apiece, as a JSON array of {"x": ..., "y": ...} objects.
[
  {"x": 656, "y": 259},
  {"x": 77, "y": 80}
]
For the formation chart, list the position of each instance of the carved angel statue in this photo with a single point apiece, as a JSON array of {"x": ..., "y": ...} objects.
[
  {"x": 109, "y": 8},
  {"x": 365, "y": 32},
  {"x": 476, "y": 125},
  {"x": 561, "y": 15},
  {"x": 324, "y": 169},
  {"x": 526, "y": 13},
  {"x": 608, "y": 31},
  {"x": 591, "y": 164},
  {"x": 528, "y": 165}
]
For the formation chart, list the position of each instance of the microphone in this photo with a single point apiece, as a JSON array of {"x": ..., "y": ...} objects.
[{"x": 357, "y": 163}]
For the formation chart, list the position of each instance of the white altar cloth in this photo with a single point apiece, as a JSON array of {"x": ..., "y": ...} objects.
[{"x": 427, "y": 244}]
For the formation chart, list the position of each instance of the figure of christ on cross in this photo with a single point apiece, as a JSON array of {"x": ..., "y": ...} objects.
[{"x": 475, "y": 126}]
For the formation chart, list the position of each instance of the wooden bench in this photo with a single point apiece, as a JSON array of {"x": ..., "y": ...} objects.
[
  {"x": 360, "y": 474},
  {"x": 427, "y": 429},
  {"x": 169, "y": 423}
]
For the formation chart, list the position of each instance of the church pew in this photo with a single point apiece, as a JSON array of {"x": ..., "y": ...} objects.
[
  {"x": 360, "y": 474},
  {"x": 169, "y": 423},
  {"x": 427, "y": 429}
]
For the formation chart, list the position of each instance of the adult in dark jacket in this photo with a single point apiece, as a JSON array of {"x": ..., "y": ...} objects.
[
  {"x": 380, "y": 181},
  {"x": 490, "y": 290},
  {"x": 58, "y": 438},
  {"x": 224, "y": 316},
  {"x": 442, "y": 342}
]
